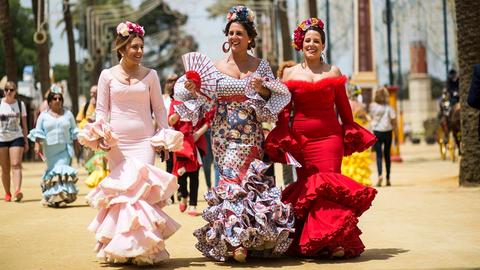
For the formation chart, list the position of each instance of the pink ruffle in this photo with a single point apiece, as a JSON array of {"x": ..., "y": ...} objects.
[
  {"x": 168, "y": 138},
  {"x": 356, "y": 139},
  {"x": 94, "y": 133},
  {"x": 131, "y": 225},
  {"x": 279, "y": 141}
]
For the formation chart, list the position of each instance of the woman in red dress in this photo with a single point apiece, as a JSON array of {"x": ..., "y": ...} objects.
[{"x": 326, "y": 204}]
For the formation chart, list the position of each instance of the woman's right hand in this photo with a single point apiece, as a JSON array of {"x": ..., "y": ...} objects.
[
  {"x": 36, "y": 148},
  {"x": 190, "y": 86}
]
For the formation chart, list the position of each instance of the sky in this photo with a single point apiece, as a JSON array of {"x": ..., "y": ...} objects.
[{"x": 208, "y": 33}]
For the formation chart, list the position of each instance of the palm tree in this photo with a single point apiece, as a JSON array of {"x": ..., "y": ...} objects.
[
  {"x": 312, "y": 8},
  {"x": 6, "y": 27},
  {"x": 72, "y": 65},
  {"x": 42, "y": 49},
  {"x": 468, "y": 20}
]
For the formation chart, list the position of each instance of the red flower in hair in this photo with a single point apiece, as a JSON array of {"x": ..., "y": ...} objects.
[{"x": 299, "y": 33}]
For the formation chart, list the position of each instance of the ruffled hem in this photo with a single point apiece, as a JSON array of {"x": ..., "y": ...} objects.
[
  {"x": 58, "y": 185},
  {"x": 327, "y": 207},
  {"x": 357, "y": 167},
  {"x": 356, "y": 138},
  {"x": 96, "y": 177},
  {"x": 331, "y": 187},
  {"x": 280, "y": 141},
  {"x": 249, "y": 216},
  {"x": 130, "y": 225}
]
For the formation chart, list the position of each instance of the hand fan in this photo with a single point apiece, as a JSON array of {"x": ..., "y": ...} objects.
[{"x": 200, "y": 69}]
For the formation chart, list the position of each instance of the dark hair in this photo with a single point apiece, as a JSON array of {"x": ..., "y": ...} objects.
[
  {"x": 121, "y": 42},
  {"x": 319, "y": 30},
  {"x": 251, "y": 31},
  {"x": 51, "y": 95}
]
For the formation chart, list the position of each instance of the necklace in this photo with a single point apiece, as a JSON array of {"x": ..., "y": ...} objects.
[{"x": 129, "y": 73}]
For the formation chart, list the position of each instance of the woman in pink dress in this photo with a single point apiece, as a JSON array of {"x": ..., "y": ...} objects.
[
  {"x": 326, "y": 204},
  {"x": 130, "y": 225}
]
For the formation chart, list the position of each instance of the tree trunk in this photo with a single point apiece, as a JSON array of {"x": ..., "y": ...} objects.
[
  {"x": 312, "y": 7},
  {"x": 287, "y": 43},
  {"x": 468, "y": 20},
  {"x": 72, "y": 65},
  {"x": 6, "y": 26},
  {"x": 42, "y": 49}
]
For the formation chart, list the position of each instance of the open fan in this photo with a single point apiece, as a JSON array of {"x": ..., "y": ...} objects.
[{"x": 200, "y": 69}]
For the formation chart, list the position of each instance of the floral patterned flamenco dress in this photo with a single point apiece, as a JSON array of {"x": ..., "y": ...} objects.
[
  {"x": 245, "y": 211},
  {"x": 130, "y": 225},
  {"x": 326, "y": 204}
]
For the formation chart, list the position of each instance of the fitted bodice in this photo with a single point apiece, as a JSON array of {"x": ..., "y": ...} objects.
[{"x": 314, "y": 105}]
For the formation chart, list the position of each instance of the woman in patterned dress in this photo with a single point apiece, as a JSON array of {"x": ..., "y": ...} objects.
[{"x": 245, "y": 212}]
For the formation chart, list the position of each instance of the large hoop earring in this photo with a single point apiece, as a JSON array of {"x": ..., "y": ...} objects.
[{"x": 225, "y": 50}]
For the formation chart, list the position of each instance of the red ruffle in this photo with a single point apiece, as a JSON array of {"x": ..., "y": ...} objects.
[
  {"x": 305, "y": 86},
  {"x": 356, "y": 139},
  {"x": 281, "y": 140},
  {"x": 327, "y": 207}
]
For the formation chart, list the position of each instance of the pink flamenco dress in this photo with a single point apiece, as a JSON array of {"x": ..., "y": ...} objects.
[
  {"x": 130, "y": 226},
  {"x": 326, "y": 203}
]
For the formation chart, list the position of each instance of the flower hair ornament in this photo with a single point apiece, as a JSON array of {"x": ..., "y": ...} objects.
[
  {"x": 299, "y": 33},
  {"x": 240, "y": 13},
  {"x": 125, "y": 28},
  {"x": 57, "y": 89}
]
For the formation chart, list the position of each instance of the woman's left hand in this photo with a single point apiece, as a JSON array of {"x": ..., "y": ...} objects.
[
  {"x": 26, "y": 146},
  {"x": 164, "y": 154},
  {"x": 257, "y": 84}
]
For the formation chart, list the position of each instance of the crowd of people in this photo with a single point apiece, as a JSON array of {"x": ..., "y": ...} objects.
[{"x": 128, "y": 121}]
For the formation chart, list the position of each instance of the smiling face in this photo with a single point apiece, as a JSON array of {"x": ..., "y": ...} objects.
[
  {"x": 133, "y": 51},
  {"x": 313, "y": 45},
  {"x": 238, "y": 37},
  {"x": 55, "y": 101}
]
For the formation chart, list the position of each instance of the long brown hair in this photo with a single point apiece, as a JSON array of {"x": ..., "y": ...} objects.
[{"x": 381, "y": 96}]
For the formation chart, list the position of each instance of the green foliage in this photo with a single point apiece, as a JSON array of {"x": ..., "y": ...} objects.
[
  {"x": 60, "y": 72},
  {"x": 221, "y": 7},
  {"x": 23, "y": 29}
]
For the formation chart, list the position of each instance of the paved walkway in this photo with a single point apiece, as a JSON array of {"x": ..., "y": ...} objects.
[{"x": 424, "y": 221}]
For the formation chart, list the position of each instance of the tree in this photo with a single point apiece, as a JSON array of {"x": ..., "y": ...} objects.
[
  {"x": 312, "y": 8},
  {"x": 72, "y": 65},
  {"x": 43, "y": 50},
  {"x": 25, "y": 49},
  {"x": 6, "y": 27},
  {"x": 468, "y": 20}
]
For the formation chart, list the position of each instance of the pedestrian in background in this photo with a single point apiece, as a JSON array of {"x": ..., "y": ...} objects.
[
  {"x": 383, "y": 126},
  {"x": 13, "y": 140}
]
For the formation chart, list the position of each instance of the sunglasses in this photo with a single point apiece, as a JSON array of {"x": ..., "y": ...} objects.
[
  {"x": 9, "y": 90},
  {"x": 57, "y": 98}
]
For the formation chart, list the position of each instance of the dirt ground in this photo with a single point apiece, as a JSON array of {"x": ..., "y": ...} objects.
[{"x": 424, "y": 221}]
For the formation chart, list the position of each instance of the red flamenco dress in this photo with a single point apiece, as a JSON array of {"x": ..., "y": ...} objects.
[{"x": 326, "y": 203}]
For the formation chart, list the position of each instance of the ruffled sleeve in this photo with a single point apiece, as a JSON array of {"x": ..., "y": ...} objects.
[
  {"x": 267, "y": 110},
  {"x": 38, "y": 132},
  {"x": 96, "y": 133},
  {"x": 192, "y": 108},
  {"x": 355, "y": 137},
  {"x": 282, "y": 140}
]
